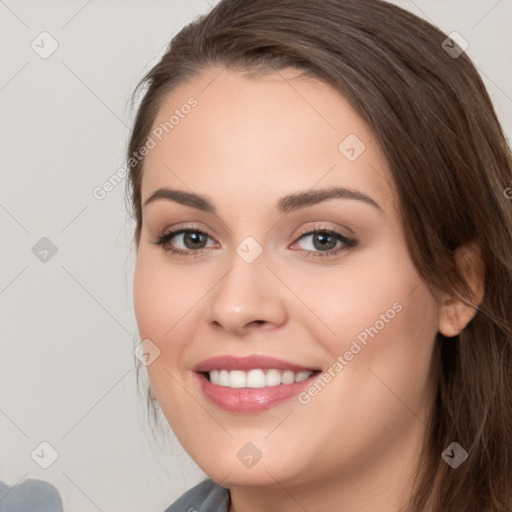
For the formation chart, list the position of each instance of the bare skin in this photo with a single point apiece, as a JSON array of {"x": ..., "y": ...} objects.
[{"x": 354, "y": 446}]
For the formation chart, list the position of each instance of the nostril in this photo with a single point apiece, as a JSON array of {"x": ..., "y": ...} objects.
[{"x": 258, "y": 322}]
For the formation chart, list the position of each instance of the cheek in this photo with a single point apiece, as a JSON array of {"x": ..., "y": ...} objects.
[
  {"x": 168, "y": 309},
  {"x": 385, "y": 324},
  {"x": 379, "y": 316},
  {"x": 147, "y": 298},
  {"x": 374, "y": 288},
  {"x": 163, "y": 295},
  {"x": 163, "y": 301}
]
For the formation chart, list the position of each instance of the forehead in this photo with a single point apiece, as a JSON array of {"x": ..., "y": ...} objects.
[{"x": 261, "y": 136}]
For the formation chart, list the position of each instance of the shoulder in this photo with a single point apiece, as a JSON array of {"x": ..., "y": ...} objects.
[
  {"x": 30, "y": 495},
  {"x": 204, "y": 497}
]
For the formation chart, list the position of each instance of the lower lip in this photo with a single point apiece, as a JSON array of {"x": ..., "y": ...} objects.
[{"x": 251, "y": 399}]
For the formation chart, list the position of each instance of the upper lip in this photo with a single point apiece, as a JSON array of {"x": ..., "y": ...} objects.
[{"x": 250, "y": 362}]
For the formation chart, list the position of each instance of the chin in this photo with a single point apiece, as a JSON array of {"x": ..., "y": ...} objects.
[
  {"x": 229, "y": 469},
  {"x": 246, "y": 477}
]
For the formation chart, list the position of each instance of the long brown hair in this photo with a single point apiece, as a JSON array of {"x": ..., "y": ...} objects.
[{"x": 451, "y": 166}]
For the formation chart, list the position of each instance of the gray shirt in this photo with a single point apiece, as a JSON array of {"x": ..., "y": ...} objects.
[
  {"x": 30, "y": 495},
  {"x": 204, "y": 497}
]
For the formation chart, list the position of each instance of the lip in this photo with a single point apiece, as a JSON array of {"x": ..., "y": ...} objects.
[
  {"x": 250, "y": 400},
  {"x": 250, "y": 362}
]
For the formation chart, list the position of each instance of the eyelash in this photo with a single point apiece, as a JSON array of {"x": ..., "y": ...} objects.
[{"x": 349, "y": 243}]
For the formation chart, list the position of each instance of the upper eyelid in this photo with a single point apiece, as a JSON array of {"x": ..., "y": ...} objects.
[
  {"x": 188, "y": 229},
  {"x": 302, "y": 232}
]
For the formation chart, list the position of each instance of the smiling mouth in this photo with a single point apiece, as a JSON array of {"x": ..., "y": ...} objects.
[{"x": 256, "y": 378}]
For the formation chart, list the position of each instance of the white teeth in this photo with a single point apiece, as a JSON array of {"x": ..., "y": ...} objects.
[
  {"x": 288, "y": 377},
  {"x": 256, "y": 378},
  {"x": 237, "y": 379},
  {"x": 214, "y": 376},
  {"x": 273, "y": 378},
  {"x": 302, "y": 376},
  {"x": 224, "y": 378}
]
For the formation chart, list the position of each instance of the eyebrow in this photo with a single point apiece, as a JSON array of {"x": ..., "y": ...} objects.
[{"x": 286, "y": 204}]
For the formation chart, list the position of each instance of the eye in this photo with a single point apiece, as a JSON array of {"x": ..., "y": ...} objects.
[
  {"x": 184, "y": 241},
  {"x": 320, "y": 242},
  {"x": 323, "y": 242}
]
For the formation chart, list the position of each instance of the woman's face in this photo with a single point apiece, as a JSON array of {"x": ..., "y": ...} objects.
[{"x": 273, "y": 159}]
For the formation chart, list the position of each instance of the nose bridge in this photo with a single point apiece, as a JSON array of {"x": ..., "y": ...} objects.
[{"x": 248, "y": 293}]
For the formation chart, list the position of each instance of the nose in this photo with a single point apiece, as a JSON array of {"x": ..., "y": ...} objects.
[{"x": 247, "y": 298}]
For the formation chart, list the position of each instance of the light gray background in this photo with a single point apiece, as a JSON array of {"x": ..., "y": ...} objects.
[{"x": 67, "y": 325}]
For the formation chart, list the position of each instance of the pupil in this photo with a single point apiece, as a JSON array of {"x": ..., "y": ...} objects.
[
  {"x": 325, "y": 240},
  {"x": 194, "y": 239}
]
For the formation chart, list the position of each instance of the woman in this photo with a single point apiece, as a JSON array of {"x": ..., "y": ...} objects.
[{"x": 324, "y": 275}]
